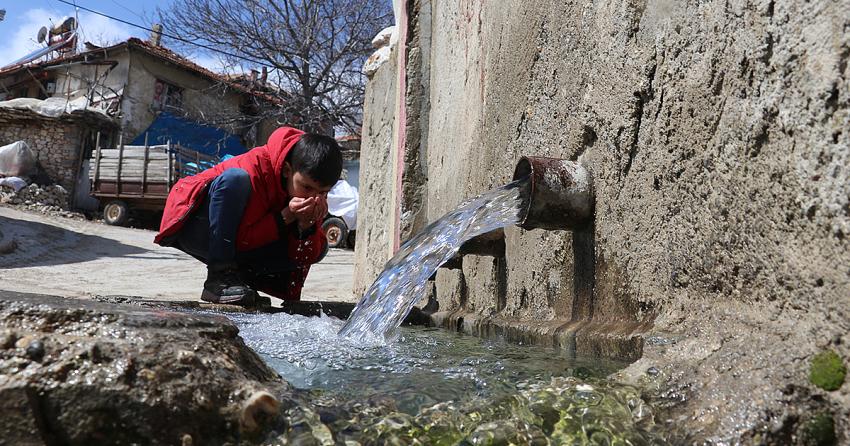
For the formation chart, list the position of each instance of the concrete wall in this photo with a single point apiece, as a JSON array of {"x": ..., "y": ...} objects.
[
  {"x": 374, "y": 239},
  {"x": 716, "y": 133}
]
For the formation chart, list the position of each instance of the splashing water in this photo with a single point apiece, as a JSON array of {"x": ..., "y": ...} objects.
[
  {"x": 433, "y": 387},
  {"x": 424, "y": 366},
  {"x": 402, "y": 283}
]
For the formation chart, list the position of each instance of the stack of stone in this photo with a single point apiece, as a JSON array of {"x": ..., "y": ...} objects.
[{"x": 52, "y": 200}]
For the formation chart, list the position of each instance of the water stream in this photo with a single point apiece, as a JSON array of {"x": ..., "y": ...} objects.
[{"x": 402, "y": 282}]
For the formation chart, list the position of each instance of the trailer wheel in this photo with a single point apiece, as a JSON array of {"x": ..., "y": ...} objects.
[
  {"x": 116, "y": 213},
  {"x": 336, "y": 232}
]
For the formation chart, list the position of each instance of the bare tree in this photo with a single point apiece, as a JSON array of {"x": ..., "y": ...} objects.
[{"x": 314, "y": 50}]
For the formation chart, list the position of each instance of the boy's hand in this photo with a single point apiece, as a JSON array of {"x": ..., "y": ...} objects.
[
  {"x": 321, "y": 208},
  {"x": 303, "y": 210}
]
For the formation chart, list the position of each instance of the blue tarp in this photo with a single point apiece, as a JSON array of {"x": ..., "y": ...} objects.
[{"x": 193, "y": 135}]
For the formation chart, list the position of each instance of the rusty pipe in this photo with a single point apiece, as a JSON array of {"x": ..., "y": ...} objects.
[{"x": 557, "y": 196}]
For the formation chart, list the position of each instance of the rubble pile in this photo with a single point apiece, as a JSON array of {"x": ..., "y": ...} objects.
[{"x": 50, "y": 200}]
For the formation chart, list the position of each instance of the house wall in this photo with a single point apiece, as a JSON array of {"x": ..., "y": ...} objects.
[
  {"x": 75, "y": 81},
  {"x": 201, "y": 101}
]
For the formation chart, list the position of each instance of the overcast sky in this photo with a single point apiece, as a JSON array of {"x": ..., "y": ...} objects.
[{"x": 19, "y": 29}]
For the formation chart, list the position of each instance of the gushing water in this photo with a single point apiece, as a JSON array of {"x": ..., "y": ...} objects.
[{"x": 402, "y": 283}]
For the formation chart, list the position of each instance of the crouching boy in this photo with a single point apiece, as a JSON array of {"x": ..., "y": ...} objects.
[{"x": 255, "y": 219}]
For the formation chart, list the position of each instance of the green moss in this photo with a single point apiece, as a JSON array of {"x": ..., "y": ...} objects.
[
  {"x": 827, "y": 370},
  {"x": 819, "y": 431}
]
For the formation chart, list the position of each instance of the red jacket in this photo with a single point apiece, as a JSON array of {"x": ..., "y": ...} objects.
[{"x": 259, "y": 226}]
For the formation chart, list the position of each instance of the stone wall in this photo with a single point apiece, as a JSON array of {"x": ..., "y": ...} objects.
[
  {"x": 56, "y": 143},
  {"x": 716, "y": 133}
]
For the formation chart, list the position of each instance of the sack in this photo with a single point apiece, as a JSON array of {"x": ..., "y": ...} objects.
[
  {"x": 17, "y": 160},
  {"x": 343, "y": 200}
]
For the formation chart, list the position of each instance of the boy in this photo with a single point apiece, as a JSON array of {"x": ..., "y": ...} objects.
[{"x": 255, "y": 219}]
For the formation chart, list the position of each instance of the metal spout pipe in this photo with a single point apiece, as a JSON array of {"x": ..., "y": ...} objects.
[{"x": 557, "y": 196}]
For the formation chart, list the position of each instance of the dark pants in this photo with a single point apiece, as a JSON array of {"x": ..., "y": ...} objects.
[{"x": 209, "y": 233}]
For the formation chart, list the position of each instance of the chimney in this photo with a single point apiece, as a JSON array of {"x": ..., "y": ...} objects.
[
  {"x": 264, "y": 77},
  {"x": 156, "y": 35},
  {"x": 254, "y": 74}
]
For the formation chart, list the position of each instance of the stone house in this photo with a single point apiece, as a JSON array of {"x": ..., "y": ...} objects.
[
  {"x": 125, "y": 88},
  {"x": 59, "y": 142}
]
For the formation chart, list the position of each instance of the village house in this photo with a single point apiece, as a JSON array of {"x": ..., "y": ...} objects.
[{"x": 132, "y": 91}]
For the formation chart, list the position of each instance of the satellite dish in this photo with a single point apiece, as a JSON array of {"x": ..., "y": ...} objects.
[{"x": 42, "y": 34}]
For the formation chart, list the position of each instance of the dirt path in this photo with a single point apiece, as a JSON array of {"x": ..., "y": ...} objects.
[{"x": 75, "y": 258}]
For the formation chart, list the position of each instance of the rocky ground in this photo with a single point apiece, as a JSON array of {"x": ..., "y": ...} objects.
[
  {"x": 93, "y": 373},
  {"x": 47, "y": 200}
]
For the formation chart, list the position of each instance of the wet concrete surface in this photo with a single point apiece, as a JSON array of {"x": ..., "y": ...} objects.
[{"x": 83, "y": 259}]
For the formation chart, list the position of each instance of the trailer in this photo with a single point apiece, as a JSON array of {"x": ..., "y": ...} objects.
[{"x": 129, "y": 178}]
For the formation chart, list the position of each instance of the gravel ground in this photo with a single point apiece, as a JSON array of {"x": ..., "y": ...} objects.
[{"x": 73, "y": 257}]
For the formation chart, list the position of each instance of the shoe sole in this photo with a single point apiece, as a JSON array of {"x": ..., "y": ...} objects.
[{"x": 244, "y": 300}]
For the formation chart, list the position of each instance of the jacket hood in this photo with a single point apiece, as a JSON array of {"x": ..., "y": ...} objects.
[{"x": 280, "y": 143}]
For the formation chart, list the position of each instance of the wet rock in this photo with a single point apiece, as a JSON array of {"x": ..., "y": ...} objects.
[
  {"x": 7, "y": 339},
  {"x": 171, "y": 378},
  {"x": 259, "y": 406},
  {"x": 8, "y": 246},
  {"x": 35, "y": 350}
]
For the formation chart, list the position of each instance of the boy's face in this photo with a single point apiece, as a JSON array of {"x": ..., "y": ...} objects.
[{"x": 302, "y": 185}]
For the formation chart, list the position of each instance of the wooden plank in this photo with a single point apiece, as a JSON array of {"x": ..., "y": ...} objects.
[
  {"x": 96, "y": 157},
  {"x": 135, "y": 174},
  {"x": 145, "y": 165},
  {"x": 140, "y": 157},
  {"x": 137, "y": 165},
  {"x": 120, "y": 159},
  {"x": 170, "y": 166},
  {"x": 141, "y": 149},
  {"x": 137, "y": 171}
]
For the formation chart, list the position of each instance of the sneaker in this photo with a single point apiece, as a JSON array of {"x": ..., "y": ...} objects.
[{"x": 224, "y": 285}]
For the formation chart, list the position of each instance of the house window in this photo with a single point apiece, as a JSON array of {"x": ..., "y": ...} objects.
[{"x": 167, "y": 96}]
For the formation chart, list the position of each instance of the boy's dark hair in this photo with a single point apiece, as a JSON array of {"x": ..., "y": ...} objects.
[{"x": 317, "y": 156}]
